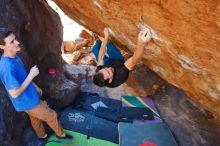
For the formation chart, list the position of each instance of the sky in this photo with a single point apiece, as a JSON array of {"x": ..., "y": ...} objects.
[{"x": 71, "y": 29}]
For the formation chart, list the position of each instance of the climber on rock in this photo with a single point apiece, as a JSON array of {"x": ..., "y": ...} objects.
[
  {"x": 112, "y": 70},
  {"x": 23, "y": 92}
]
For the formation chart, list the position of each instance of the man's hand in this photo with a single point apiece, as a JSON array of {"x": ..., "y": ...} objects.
[
  {"x": 18, "y": 91},
  {"x": 34, "y": 71},
  {"x": 144, "y": 37}
]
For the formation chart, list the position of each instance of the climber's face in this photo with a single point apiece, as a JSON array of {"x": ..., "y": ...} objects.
[{"x": 108, "y": 73}]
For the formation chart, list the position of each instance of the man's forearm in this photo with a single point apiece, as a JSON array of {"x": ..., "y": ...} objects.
[
  {"x": 16, "y": 92},
  {"x": 138, "y": 53},
  {"x": 102, "y": 50},
  {"x": 143, "y": 38},
  {"x": 131, "y": 62}
]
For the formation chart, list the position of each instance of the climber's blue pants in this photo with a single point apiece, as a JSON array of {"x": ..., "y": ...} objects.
[{"x": 112, "y": 51}]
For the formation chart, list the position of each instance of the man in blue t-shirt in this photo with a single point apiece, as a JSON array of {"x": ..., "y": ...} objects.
[{"x": 23, "y": 92}]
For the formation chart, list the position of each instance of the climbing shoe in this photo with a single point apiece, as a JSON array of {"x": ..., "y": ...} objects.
[
  {"x": 44, "y": 137},
  {"x": 64, "y": 137}
]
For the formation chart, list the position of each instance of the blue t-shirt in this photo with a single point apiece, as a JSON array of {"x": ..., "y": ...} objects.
[{"x": 13, "y": 74}]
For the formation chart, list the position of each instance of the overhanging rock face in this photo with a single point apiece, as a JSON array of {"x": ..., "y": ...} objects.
[{"x": 185, "y": 48}]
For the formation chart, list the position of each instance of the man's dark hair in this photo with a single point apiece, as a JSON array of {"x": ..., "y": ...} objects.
[
  {"x": 99, "y": 80},
  {"x": 4, "y": 32}
]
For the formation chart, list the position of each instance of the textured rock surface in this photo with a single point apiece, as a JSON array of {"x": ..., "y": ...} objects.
[
  {"x": 61, "y": 92},
  {"x": 191, "y": 125},
  {"x": 185, "y": 48},
  {"x": 9, "y": 129}
]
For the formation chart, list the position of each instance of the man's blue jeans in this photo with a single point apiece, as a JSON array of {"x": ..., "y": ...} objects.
[{"x": 112, "y": 51}]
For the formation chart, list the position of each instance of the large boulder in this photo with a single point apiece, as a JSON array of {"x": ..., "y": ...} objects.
[
  {"x": 61, "y": 92},
  {"x": 12, "y": 124},
  {"x": 185, "y": 46}
]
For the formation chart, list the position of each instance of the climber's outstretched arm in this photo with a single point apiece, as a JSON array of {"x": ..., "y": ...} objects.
[
  {"x": 103, "y": 48},
  {"x": 143, "y": 38}
]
